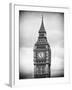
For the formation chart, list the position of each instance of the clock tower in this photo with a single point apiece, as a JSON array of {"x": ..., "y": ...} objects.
[{"x": 42, "y": 55}]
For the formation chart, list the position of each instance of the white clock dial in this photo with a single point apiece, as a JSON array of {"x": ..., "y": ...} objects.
[{"x": 41, "y": 55}]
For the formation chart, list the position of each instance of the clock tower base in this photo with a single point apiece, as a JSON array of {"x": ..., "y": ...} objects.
[{"x": 42, "y": 76}]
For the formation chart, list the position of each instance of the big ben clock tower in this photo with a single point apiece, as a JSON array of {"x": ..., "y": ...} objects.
[{"x": 42, "y": 55}]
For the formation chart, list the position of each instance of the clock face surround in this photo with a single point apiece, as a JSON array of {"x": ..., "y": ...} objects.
[{"x": 41, "y": 55}]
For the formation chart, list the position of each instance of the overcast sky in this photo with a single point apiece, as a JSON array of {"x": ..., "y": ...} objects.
[{"x": 29, "y": 24}]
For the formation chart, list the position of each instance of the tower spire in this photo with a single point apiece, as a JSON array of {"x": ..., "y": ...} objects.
[{"x": 42, "y": 29}]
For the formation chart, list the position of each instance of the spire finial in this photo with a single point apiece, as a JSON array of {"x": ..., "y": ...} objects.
[{"x": 42, "y": 17}]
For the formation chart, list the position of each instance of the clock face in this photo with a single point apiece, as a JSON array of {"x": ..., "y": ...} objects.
[{"x": 41, "y": 55}]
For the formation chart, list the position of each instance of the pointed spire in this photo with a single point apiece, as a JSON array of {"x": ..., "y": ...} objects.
[{"x": 42, "y": 29}]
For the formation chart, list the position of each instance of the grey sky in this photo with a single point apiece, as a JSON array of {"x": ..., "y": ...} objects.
[{"x": 29, "y": 24}]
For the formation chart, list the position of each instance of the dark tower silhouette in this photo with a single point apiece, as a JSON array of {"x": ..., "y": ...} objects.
[{"x": 42, "y": 55}]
